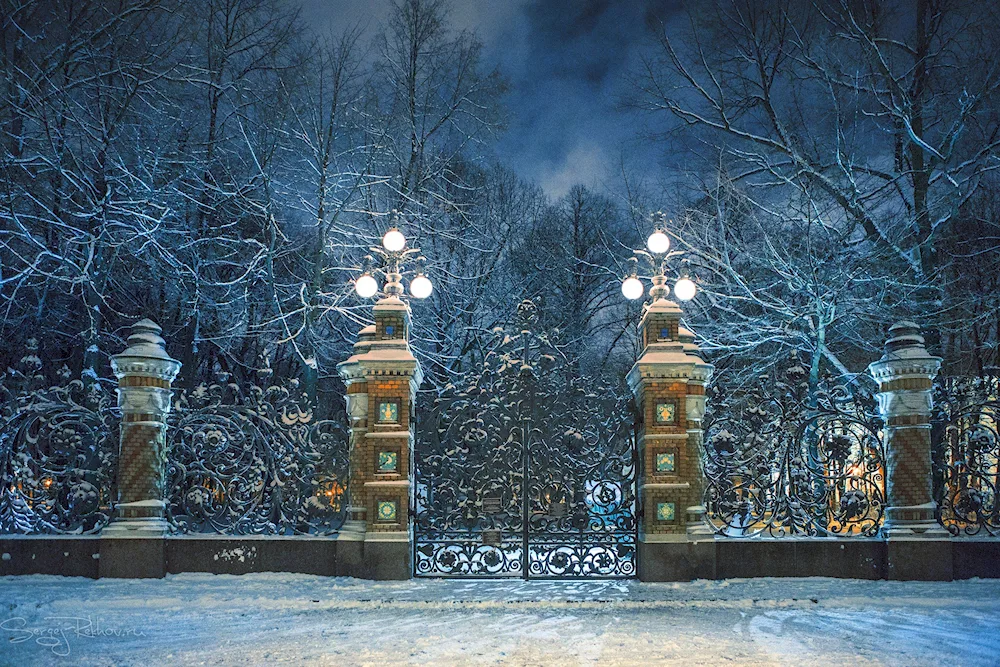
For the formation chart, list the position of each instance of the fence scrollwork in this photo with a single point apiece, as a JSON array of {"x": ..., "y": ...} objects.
[
  {"x": 254, "y": 461},
  {"x": 966, "y": 454},
  {"x": 58, "y": 448},
  {"x": 781, "y": 460}
]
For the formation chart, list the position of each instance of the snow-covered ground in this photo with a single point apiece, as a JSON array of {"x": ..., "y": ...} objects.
[{"x": 283, "y": 619}]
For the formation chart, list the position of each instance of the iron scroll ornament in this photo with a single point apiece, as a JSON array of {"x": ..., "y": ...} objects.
[
  {"x": 58, "y": 452},
  {"x": 782, "y": 461},
  {"x": 966, "y": 454},
  {"x": 254, "y": 461},
  {"x": 524, "y": 470}
]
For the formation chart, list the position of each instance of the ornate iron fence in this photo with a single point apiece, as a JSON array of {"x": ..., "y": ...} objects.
[
  {"x": 58, "y": 447},
  {"x": 238, "y": 462},
  {"x": 524, "y": 469},
  {"x": 254, "y": 461},
  {"x": 780, "y": 461},
  {"x": 966, "y": 454}
]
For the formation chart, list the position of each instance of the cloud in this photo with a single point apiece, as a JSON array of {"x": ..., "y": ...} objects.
[
  {"x": 585, "y": 164},
  {"x": 566, "y": 61}
]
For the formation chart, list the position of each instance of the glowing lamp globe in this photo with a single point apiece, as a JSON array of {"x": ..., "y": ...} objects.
[
  {"x": 632, "y": 288},
  {"x": 421, "y": 287},
  {"x": 394, "y": 241},
  {"x": 658, "y": 242},
  {"x": 684, "y": 289},
  {"x": 365, "y": 286}
]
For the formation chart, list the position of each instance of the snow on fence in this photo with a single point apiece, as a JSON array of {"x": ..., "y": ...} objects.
[
  {"x": 966, "y": 454},
  {"x": 58, "y": 448},
  {"x": 526, "y": 468},
  {"x": 254, "y": 460},
  {"x": 240, "y": 460},
  {"x": 780, "y": 460},
  {"x": 783, "y": 459}
]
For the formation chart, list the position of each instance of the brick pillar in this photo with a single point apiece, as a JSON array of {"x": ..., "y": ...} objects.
[
  {"x": 357, "y": 414},
  {"x": 382, "y": 378},
  {"x": 905, "y": 375},
  {"x": 144, "y": 371},
  {"x": 668, "y": 382}
]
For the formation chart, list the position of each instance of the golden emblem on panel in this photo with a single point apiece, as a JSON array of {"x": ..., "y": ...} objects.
[
  {"x": 388, "y": 411},
  {"x": 665, "y": 413},
  {"x": 387, "y": 510}
]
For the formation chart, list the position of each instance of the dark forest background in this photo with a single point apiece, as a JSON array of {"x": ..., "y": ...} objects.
[{"x": 217, "y": 166}]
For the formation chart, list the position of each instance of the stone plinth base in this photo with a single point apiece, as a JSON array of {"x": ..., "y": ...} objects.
[
  {"x": 146, "y": 557},
  {"x": 75, "y": 556},
  {"x": 920, "y": 559},
  {"x": 913, "y": 521},
  {"x": 677, "y": 560},
  {"x": 388, "y": 556},
  {"x": 152, "y": 526},
  {"x": 133, "y": 558},
  {"x": 681, "y": 560},
  {"x": 225, "y": 554},
  {"x": 379, "y": 556},
  {"x": 733, "y": 558}
]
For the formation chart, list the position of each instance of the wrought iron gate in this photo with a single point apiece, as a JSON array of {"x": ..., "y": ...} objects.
[{"x": 526, "y": 471}]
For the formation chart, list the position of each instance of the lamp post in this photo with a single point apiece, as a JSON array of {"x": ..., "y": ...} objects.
[
  {"x": 393, "y": 253},
  {"x": 658, "y": 245},
  {"x": 668, "y": 382},
  {"x": 381, "y": 379}
]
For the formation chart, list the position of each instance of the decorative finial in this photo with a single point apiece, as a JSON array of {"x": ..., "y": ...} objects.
[{"x": 902, "y": 335}]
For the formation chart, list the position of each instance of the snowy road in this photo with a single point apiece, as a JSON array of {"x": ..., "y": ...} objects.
[{"x": 285, "y": 619}]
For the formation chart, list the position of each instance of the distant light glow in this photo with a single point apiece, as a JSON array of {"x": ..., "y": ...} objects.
[
  {"x": 658, "y": 242},
  {"x": 421, "y": 286},
  {"x": 685, "y": 289},
  {"x": 394, "y": 241},
  {"x": 365, "y": 286},
  {"x": 632, "y": 288}
]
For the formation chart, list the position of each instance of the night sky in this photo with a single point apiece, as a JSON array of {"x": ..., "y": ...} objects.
[{"x": 566, "y": 61}]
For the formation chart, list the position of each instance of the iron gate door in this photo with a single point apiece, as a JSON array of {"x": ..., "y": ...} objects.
[{"x": 526, "y": 471}]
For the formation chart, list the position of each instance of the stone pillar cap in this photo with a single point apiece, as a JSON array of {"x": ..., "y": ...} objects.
[
  {"x": 145, "y": 341},
  {"x": 146, "y": 354},
  {"x": 905, "y": 355},
  {"x": 391, "y": 302},
  {"x": 662, "y": 305},
  {"x": 904, "y": 334},
  {"x": 905, "y": 342}
]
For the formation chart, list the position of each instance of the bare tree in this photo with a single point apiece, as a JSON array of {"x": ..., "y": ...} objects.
[
  {"x": 776, "y": 281},
  {"x": 887, "y": 110},
  {"x": 78, "y": 79}
]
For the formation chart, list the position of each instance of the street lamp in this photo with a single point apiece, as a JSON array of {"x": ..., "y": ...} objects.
[
  {"x": 658, "y": 244},
  {"x": 633, "y": 288},
  {"x": 393, "y": 253},
  {"x": 394, "y": 241},
  {"x": 684, "y": 289},
  {"x": 421, "y": 287},
  {"x": 366, "y": 285}
]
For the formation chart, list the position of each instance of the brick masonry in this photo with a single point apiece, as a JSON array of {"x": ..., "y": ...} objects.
[
  {"x": 669, "y": 375},
  {"x": 908, "y": 468},
  {"x": 141, "y": 466},
  {"x": 660, "y": 327},
  {"x": 383, "y": 371},
  {"x": 391, "y": 327}
]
